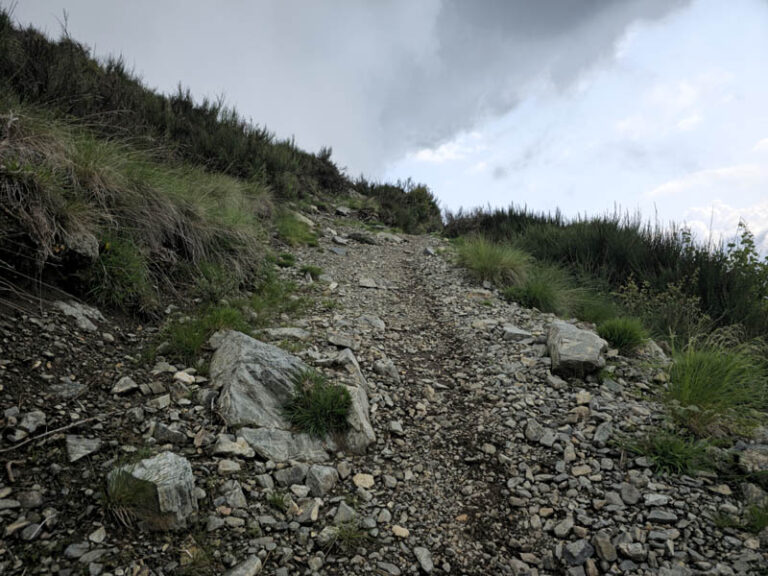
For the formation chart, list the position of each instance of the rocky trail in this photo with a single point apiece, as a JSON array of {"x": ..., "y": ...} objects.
[{"x": 486, "y": 439}]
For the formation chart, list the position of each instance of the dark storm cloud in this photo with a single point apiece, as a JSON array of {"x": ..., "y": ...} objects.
[{"x": 375, "y": 80}]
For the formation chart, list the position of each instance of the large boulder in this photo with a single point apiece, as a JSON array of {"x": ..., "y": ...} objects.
[
  {"x": 574, "y": 352},
  {"x": 256, "y": 380},
  {"x": 159, "y": 491}
]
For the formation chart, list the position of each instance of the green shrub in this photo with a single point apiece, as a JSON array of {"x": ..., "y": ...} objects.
[
  {"x": 756, "y": 518},
  {"x": 504, "y": 265},
  {"x": 285, "y": 260},
  {"x": 120, "y": 278},
  {"x": 594, "y": 306},
  {"x": 546, "y": 288},
  {"x": 626, "y": 334},
  {"x": 407, "y": 206},
  {"x": 293, "y": 231},
  {"x": 671, "y": 453},
  {"x": 213, "y": 282},
  {"x": 714, "y": 388},
  {"x": 670, "y": 313},
  {"x": 317, "y": 406}
]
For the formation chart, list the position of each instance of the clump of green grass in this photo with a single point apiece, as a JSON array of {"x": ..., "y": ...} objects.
[
  {"x": 671, "y": 453},
  {"x": 756, "y": 518},
  {"x": 213, "y": 282},
  {"x": 546, "y": 288},
  {"x": 120, "y": 278},
  {"x": 715, "y": 388},
  {"x": 502, "y": 264},
  {"x": 129, "y": 500},
  {"x": 293, "y": 231},
  {"x": 277, "y": 499},
  {"x": 626, "y": 334},
  {"x": 350, "y": 535},
  {"x": 187, "y": 337},
  {"x": 314, "y": 272},
  {"x": 285, "y": 260},
  {"x": 318, "y": 407},
  {"x": 274, "y": 296}
]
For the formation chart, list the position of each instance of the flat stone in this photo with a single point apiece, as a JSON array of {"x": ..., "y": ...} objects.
[
  {"x": 577, "y": 552},
  {"x": 226, "y": 447},
  {"x": 363, "y": 480},
  {"x": 574, "y": 352},
  {"x": 367, "y": 283},
  {"x": 249, "y": 567},
  {"x": 124, "y": 385},
  {"x": 400, "y": 531},
  {"x": 79, "y": 447},
  {"x": 424, "y": 558},
  {"x": 321, "y": 479},
  {"x": 281, "y": 445},
  {"x": 512, "y": 333}
]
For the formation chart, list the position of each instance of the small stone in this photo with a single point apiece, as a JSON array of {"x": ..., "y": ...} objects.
[
  {"x": 605, "y": 549},
  {"x": 184, "y": 377},
  {"x": 344, "y": 513},
  {"x": 363, "y": 480},
  {"x": 656, "y": 500},
  {"x": 424, "y": 557},
  {"x": 226, "y": 447},
  {"x": 249, "y": 567},
  {"x": 79, "y": 447},
  {"x": 629, "y": 494},
  {"x": 564, "y": 527},
  {"x": 400, "y": 532},
  {"x": 533, "y": 430},
  {"x": 228, "y": 467},
  {"x": 98, "y": 536},
  {"x": 576, "y": 553},
  {"x": 321, "y": 479},
  {"x": 124, "y": 385}
]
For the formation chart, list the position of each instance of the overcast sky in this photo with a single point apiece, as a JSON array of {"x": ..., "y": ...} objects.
[{"x": 657, "y": 105}]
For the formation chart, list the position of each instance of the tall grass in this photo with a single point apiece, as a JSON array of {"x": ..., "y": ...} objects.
[
  {"x": 318, "y": 407},
  {"x": 501, "y": 264},
  {"x": 729, "y": 282},
  {"x": 60, "y": 182},
  {"x": 715, "y": 387},
  {"x": 626, "y": 334}
]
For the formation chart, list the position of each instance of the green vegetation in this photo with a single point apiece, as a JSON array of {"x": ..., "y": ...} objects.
[
  {"x": 350, "y": 535},
  {"x": 314, "y": 272},
  {"x": 626, "y": 334},
  {"x": 716, "y": 387},
  {"x": 756, "y": 518},
  {"x": 187, "y": 336},
  {"x": 285, "y": 260},
  {"x": 318, "y": 407},
  {"x": 293, "y": 231},
  {"x": 501, "y": 264},
  {"x": 406, "y": 206},
  {"x": 278, "y": 500},
  {"x": 129, "y": 500},
  {"x": 729, "y": 284},
  {"x": 671, "y": 453}
]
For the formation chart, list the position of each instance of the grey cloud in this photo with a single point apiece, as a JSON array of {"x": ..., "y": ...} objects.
[{"x": 374, "y": 80}]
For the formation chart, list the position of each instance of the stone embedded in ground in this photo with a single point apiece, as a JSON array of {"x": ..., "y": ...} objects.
[
  {"x": 385, "y": 367},
  {"x": 362, "y": 480},
  {"x": 167, "y": 488},
  {"x": 321, "y": 479},
  {"x": 79, "y": 447},
  {"x": 249, "y": 567},
  {"x": 574, "y": 352},
  {"x": 225, "y": 446},
  {"x": 257, "y": 380},
  {"x": 282, "y": 445},
  {"x": 124, "y": 385},
  {"x": 287, "y": 333},
  {"x": 514, "y": 334},
  {"x": 84, "y": 315},
  {"x": 577, "y": 552},
  {"x": 754, "y": 459},
  {"x": 367, "y": 283},
  {"x": 424, "y": 557}
]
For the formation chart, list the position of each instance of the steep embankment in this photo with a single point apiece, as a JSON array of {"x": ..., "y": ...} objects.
[{"x": 484, "y": 462}]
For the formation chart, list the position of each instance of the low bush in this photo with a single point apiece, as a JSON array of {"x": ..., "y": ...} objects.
[
  {"x": 504, "y": 265},
  {"x": 313, "y": 272},
  {"x": 626, "y": 334},
  {"x": 186, "y": 337},
  {"x": 715, "y": 388},
  {"x": 318, "y": 407}
]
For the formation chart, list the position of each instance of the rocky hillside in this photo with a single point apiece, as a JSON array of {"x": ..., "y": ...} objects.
[{"x": 479, "y": 437}]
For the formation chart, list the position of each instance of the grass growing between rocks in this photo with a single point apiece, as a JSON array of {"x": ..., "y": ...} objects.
[
  {"x": 293, "y": 231},
  {"x": 626, "y": 334},
  {"x": 350, "y": 535},
  {"x": 671, "y": 453},
  {"x": 318, "y": 407},
  {"x": 501, "y": 264},
  {"x": 717, "y": 388},
  {"x": 129, "y": 500},
  {"x": 313, "y": 272}
]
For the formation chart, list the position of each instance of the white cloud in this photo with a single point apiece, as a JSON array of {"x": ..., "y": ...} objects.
[
  {"x": 720, "y": 221},
  {"x": 761, "y": 146},
  {"x": 457, "y": 149},
  {"x": 738, "y": 176}
]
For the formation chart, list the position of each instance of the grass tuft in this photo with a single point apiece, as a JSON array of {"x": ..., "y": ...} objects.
[
  {"x": 626, "y": 334},
  {"x": 671, "y": 453},
  {"x": 504, "y": 265},
  {"x": 293, "y": 231},
  {"x": 716, "y": 388},
  {"x": 317, "y": 406}
]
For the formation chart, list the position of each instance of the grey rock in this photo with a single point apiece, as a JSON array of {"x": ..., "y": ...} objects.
[
  {"x": 287, "y": 333},
  {"x": 360, "y": 434},
  {"x": 344, "y": 340},
  {"x": 574, "y": 352},
  {"x": 562, "y": 529},
  {"x": 369, "y": 321},
  {"x": 385, "y": 367},
  {"x": 754, "y": 459},
  {"x": 172, "y": 488},
  {"x": 367, "y": 283},
  {"x": 233, "y": 494},
  {"x": 512, "y": 333},
  {"x": 577, "y": 552},
  {"x": 249, "y": 567},
  {"x": 660, "y": 516},
  {"x": 343, "y": 210},
  {"x": 424, "y": 557},
  {"x": 84, "y": 244},
  {"x": 629, "y": 494},
  {"x": 226, "y": 447},
  {"x": 344, "y": 513},
  {"x": 290, "y": 475},
  {"x": 321, "y": 479},
  {"x": 338, "y": 251},
  {"x": 124, "y": 385},
  {"x": 32, "y": 421},
  {"x": 633, "y": 550},
  {"x": 327, "y": 536},
  {"x": 605, "y": 549},
  {"x": 167, "y": 435},
  {"x": 602, "y": 434},
  {"x": 281, "y": 445},
  {"x": 79, "y": 447},
  {"x": 533, "y": 430},
  {"x": 84, "y": 315},
  {"x": 256, "y": 380}
]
